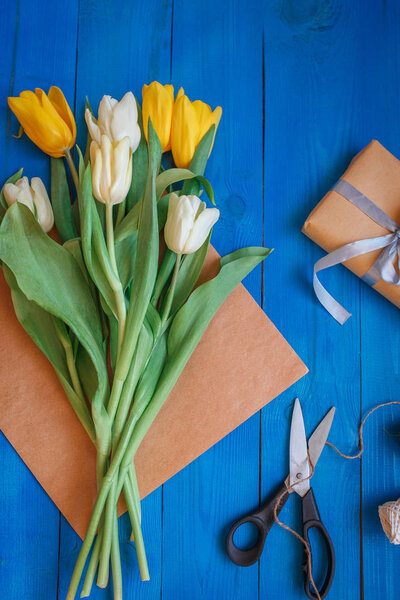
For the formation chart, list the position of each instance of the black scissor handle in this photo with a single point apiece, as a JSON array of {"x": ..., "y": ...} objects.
[
  {"x": 311, "y": 519},
  {"x": 263, "y": 519}
]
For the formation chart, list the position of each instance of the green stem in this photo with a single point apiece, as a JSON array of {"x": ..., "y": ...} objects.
[
  {"x": 73, "y": 170},
  {"x": 170, "y": 295},
  {"x": 135, "y": 371},
  {"x": 135, "y": 489},
  {"x": 110, "y": 236},
  {"x": 163, "y": 275},
  {"x": 118, "y": 291},
  {"x": 82, "y": 410},
  {"x": 120, "y": 213},
  {"x": 136, "y": 529},
  {"x": 91, "y": 570},
  {"x": 116, "y": 559},
  {"x": 102, "y": 576},
  {"x": 99, "y": 505}
]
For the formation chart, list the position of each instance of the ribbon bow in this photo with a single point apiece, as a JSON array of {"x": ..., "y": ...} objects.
[{"x": 383, "y": 267}]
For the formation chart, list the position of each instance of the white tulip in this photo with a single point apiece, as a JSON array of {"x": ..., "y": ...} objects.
[
  {"x": 188, "y": 223},
  {"x": 116, "y": 119},
  {"x": 111, "y": 169},
  {"x": 34, "y": 196}
]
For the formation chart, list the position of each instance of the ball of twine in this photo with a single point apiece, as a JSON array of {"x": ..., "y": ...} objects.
[{"x": 389, "y": 514}]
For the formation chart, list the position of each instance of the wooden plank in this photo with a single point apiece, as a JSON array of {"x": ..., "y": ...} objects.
[
  {"x": 380, "y": 321},
  {"x": 310, "y": 133},
  {"x": 121, "y": 46},
  {"x": 30, "y": 58},
  {"x": 217, "y": 57}
]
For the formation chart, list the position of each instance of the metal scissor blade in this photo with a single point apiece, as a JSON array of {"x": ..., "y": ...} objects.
[
  {"x": 317, "y": 440},
  {"x": 298, "y": 455}
]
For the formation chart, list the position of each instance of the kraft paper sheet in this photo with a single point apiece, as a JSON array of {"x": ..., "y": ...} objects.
[
  {"x": 241, "y": 364},
  {"x": 335, "y": 221}
]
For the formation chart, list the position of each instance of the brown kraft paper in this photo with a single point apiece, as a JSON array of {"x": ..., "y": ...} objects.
[{"x": 241, "y": 363}]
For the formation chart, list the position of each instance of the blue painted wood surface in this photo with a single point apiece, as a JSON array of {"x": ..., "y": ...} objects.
[{"x": 304, "y": 85}]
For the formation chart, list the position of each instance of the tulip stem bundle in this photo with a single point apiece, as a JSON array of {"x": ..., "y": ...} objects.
[{"x": 118, "y": 324}]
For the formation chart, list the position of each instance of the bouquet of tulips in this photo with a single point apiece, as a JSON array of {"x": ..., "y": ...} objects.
[{"x": 115, "y": 311}]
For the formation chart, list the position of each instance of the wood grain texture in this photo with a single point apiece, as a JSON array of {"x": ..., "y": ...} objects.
[
  {"x": 38, "y": 44},
  {"x": 304, "y": 86},
  {"x": 380, "y": 321},
  {"x": 212, "y": 62},
  {"x": 309, "y": 63}
]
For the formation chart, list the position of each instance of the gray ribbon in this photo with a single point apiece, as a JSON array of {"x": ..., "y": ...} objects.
[{"x": 383, "y": 267}]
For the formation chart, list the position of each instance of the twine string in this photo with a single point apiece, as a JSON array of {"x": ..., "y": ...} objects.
[
  {"x": 290, "y": 488},
  {"x": 360, "y": 434}
]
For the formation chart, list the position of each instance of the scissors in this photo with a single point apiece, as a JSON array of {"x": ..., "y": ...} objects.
[{"x": 302, "y": 462}]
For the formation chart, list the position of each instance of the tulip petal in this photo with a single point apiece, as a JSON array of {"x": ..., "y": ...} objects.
[
  {"x": 184, "y": 132},
  {"x": 124, "y": 121},
  {"x": 201, "y": 228},
  {"x": 58, "y": 99},
  {"x": 158, "y": 102},
  {"x": 44, "y": 211},
  {"x": 54, "y": 111},
  {"x": 182, "y": 212},
  {"x": 92, "y": 126},
  {"x": 105, "y": 114},
  {"x": 212, "y": 119},
  {"x": 10, "y": 191},
  {"x": 120, "y": 164},
  {"x": 106, "y": 169},
  {"x": 19, "y": 192},
  {"x": 203, "y": 111},
  {"x": 96, "y": 163}
]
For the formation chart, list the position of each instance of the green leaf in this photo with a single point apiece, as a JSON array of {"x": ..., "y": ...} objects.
[
  {"x": 125, "y": 254},
  {"x": 113, "y": 330},
  {"x": 86, "y": 371},
  {"x": 140, "y": 163},
  {"x": 162, "y": 210},
  {"x": 146, "y": 264},
  {"x": 171, "y": 176},
  {"x": 39, "y": 325},
  {"x": 164, "y": 273},
  {"x": 189, "y": 273},
  {"x": 199, "y": 161},
  {"x": 74, "y": 247},
  {"x": 129, "y": 224},
  {"x": 60, "y": 200},
  {"x": 93, "y": 243},
  {"x": 86, "y": 157},
  {"x": 3, "y": 203},
  {"x": 149, "y": 379},
  {"x": 189, "y": 325},
  {"x": 48, "y": 275}
]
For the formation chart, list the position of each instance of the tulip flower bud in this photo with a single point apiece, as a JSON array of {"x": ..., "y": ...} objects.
[
  {"x": 116, "y": 119},
  {"x": 34, "y": 196},
  {"x": 46, "y": 119},
  {"x": 190, "y": 122},
  {"x": 158, "y": 104},
  {"x": 111, "y": 169},
  {"x": 188, "y": 223}
]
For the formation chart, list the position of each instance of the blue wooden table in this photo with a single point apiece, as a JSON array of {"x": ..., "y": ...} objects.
[{"x": 304, "y": 85}]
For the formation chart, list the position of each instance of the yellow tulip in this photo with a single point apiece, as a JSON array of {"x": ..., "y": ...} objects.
[
  {"x": 158, "y": 104},
  {"x": 46, "y": 119},
  {"x": 190, "y": 122}
]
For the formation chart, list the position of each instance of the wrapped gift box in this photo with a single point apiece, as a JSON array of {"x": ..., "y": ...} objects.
[{"x": 335, "y": 221}]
